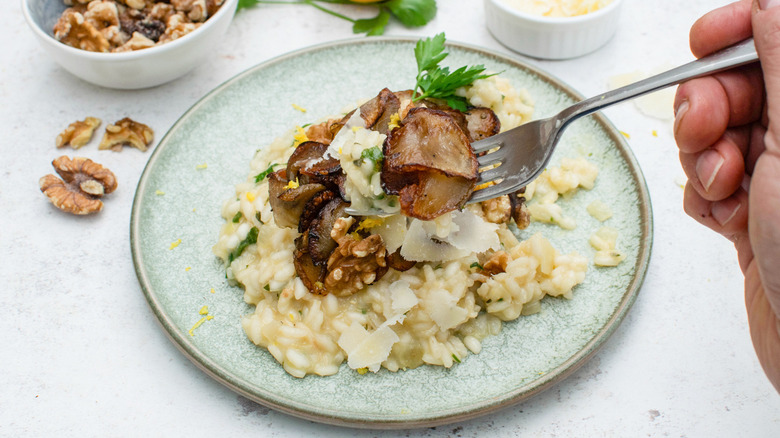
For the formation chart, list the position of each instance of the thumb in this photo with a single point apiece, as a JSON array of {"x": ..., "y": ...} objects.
[
  {"x": 766, "y": 34},
  {"x": 764, "y": 221}
]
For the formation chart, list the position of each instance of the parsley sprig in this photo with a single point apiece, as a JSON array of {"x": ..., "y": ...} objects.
[
  {"x": 411, "y": 13},
  {"x": 438, "y": 82}
]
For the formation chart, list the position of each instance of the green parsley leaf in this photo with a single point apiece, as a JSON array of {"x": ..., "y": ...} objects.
[
  {"x": 429, "y": 53},
  {"x": 413, "y": 13},
  {"x": 476, "y": 265},
  {"x": 439, "y": 82},
  {"x": 243, "y": 4},
  {"x": 250, "y": 239},
  {"x": 374, "y": 155},
  {"x": 455, "y": 358},
  {"x": 372, "y": 26},
  {"x": 264, "y": 174},
  {"x": 237, "y": 217}
]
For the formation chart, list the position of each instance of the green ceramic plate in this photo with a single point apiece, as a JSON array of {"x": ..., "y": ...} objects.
[{"x": 198, "y": 162}]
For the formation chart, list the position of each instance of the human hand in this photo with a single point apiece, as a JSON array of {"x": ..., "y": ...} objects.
[{"x": 727, "y": 128}]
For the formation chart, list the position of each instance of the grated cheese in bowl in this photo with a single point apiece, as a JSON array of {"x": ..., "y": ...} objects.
[{"x": 557, "y": 8}]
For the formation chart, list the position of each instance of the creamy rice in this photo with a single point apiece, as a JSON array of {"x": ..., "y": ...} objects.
[{"x": 435, "y": 313}]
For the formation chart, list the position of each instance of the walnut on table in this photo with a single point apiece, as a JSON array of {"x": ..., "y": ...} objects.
[
  {"x": 83, "y": 182},
  {"x": 356, "y": 261},
  {"x": 127, "y": 132},
  {"x": 78, "y": 133}
]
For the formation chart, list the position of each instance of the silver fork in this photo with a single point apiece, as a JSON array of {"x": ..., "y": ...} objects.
[{"x": 523, "y": 152}]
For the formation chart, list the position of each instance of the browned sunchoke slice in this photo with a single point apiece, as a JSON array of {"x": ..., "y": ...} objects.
[
  {"x": 321, "y": 244},
  {"x": 482, "y": 123},
  {"x": 429, "y": 163},
  {"x": 477, "y": 123},
  {"x": 307, "y": 165},
  {"x": 312, "y": 209},
  {"x": 310, "y": 274},
  {"x": 323, "y": 132},
  {"x": 287, "y": 204},
  {"x": 378, "y": 111},
  {"x": 519, "y": 209},
  {"x": 397, "y": 262},
  {"x": 434, "y": 194}
]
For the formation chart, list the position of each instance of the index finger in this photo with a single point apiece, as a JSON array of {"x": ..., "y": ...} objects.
[{"x": 721, "y": 28}]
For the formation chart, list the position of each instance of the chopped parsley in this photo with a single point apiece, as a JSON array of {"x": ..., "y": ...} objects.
[
  {"x": 476, "y": 265},
  {"x": 237, "y": 217},
  {"x": 250, "y": 239},
  {"x": 373, "y": 155},
  {"x": 264, "y": 174}
]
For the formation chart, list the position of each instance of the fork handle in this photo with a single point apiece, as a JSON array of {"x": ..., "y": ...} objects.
[{"x": 734, "y": 56}]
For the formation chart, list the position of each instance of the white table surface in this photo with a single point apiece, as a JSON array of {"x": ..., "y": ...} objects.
[{"x": 82, "y": 354}]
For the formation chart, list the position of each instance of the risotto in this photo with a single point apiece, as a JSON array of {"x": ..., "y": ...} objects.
[{"x": 467, "y": 270}]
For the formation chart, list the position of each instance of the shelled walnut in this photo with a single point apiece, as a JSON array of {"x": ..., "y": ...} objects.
[
  {"x": 83, "y": 182},
  {"x": 74, "y": 30},
  {"x": 356, "y": 262},
  {"x": 78, "y": 133},
  {"x": 125, "y": 25},
  {"x": 127, "y": 132}
]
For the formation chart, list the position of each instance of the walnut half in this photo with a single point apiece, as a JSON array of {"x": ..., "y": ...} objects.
[
  {"x": 78, "y": 133},
  {"x": 127, "y": 132},
  {"x": 83, "y": 183},
  {"x": 356, "y": 262}
]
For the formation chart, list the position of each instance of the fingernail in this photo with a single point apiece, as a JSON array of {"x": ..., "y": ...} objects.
[
  {"x": 680, "y": 111},
  {"x": 707, "y": 167},
  {"x": 766, "y": 4},
  {"x": 724, "y": 211}
]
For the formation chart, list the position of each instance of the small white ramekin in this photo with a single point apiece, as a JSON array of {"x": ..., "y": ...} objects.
[
  {"x": 128, "y": 70},
  {"x": 551, "y": 37}
]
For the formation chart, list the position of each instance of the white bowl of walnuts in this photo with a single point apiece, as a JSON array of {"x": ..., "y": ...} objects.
[{"x": 129, "y": 44}]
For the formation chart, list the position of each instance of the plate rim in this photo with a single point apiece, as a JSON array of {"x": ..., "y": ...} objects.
[{"x": 402, "y": 421}]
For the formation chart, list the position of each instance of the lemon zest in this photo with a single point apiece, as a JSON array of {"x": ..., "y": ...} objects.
[
  {"x": 159, "y": 192},
  {"x": 395, "y": 119},
  {"x": 204, "y": 310},
  {"x": 292, "y": 184},
  {"x": 175, "y": 243},
  {"x": 362, "y": 371},
  {"x": 197, "y": 324},
  {"x": 655, "y": 133},
  {"x": 299, "y": 108},
  {"x": 187, "y": 269},
  {"x": 370, "y": 223},
  {"x": 483, "y": 185},
  {"x": 300, "y": 136},
  {"x": 625, "y": 134},
  {"x": 250, "y": 196},
  {"x": 202, "y": 166}
]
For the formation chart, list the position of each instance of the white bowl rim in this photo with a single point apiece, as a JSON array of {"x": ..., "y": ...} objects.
[
  {"x": 124, "y": 56},
  {"x": 556, "y": 20}
]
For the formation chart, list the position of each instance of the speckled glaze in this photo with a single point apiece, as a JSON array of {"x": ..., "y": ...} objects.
[{"x": 196, "y": 165}]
